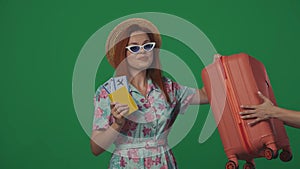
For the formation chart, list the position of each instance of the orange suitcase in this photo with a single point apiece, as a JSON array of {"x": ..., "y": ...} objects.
[{"x": 232, "y": 81}]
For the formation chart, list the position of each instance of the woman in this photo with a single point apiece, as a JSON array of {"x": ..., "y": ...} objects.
[
  {"x": 140, "y": 138},
  {"x": 267, "y": 110}
]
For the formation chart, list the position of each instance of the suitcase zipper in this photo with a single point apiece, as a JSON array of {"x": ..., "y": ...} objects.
[{"x": 233, "y": 101}]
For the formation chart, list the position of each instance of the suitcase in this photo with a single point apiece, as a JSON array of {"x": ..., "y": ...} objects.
[{"x": 232, "y": 81}]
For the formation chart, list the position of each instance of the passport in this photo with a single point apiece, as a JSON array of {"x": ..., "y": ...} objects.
[{"x": 122, "y": 96}]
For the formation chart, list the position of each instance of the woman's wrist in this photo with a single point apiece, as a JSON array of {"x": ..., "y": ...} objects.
[
  {"x": 116, "y": 126},
  {"x": 275, "y": 112}
]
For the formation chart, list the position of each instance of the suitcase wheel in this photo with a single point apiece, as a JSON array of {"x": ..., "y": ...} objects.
[
  {"x": 286, "y": 156},
  {"x": 231, "y": 165},
  {"x": 269, "y": 154},
  {"x": 248, "y": 165}
]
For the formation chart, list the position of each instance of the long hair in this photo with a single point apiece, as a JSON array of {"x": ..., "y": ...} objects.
[{"x": 118, "y": 53}]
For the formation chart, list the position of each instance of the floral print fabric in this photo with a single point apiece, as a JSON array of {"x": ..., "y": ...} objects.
[{"x": 142, "y": 142}]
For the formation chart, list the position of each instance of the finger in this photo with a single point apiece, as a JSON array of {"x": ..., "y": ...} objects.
[
  {"x": 252, "y": 123},
  {"x": 123, "y": 113},
  {"x": 248, "y": 106},
  {"x": 119, "y": 105},
  {"x": 121, "y": 109},
  {"x": 262, "y": 96},
  {"x": 119, "y": 116},
  {"x": 266, "y": 99},
  {"x": 249, "y": 116},
  {"x": 116, "y": 107},
  {"x": 246, "y": 112},
  {"x": 113, "y": 104},
  {"x": 216, "y": 56},
  {"x": 114, "y": 112}
]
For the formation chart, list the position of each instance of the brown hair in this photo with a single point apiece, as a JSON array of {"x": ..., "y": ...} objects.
[{"x": 117, "y": 54}]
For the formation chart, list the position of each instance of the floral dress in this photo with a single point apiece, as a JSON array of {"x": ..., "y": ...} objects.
[{"x": 142, "y": 142}]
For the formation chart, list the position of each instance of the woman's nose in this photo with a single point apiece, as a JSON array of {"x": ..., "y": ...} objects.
[{"x": 142, "y": 50}]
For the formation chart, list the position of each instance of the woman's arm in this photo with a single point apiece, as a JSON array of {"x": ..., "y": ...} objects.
[
  {"x": 102, "y": 139},
  {"x": 289, "y": 117},
  {"x": 200, "y": 97},
  {"x": 267, "y": 110}
]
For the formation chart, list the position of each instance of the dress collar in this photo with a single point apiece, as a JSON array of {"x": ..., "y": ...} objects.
[{"x": 150, "y": 86}]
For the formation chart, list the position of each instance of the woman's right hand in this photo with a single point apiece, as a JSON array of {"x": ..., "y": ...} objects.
[
  {"x": 118, "y": 111},
  {"x": 216, "y": 56}
]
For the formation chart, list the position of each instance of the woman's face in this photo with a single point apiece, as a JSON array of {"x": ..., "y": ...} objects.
[{"x": 143, "y": 59}]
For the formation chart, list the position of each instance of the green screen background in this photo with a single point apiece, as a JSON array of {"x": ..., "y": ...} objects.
[{"x": 40, "y": 42}]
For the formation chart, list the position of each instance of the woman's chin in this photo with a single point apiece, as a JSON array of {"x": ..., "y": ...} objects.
[{"x": 140, "y": 67}]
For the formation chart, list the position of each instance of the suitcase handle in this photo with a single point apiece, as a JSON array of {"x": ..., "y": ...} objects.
[{"x": 221, "y": 61}]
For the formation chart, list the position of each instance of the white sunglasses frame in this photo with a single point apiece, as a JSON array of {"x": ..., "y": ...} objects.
[{"x": 141, "y": 46}]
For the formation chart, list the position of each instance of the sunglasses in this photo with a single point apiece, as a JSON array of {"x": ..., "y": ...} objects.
[{"x": 136, "y": 48}]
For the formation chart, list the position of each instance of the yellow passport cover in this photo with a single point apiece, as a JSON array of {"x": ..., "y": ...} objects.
[{"x": 122, "y": 96}]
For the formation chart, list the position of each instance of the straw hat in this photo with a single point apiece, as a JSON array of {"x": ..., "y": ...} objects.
[{"x": 116, "y": 34}]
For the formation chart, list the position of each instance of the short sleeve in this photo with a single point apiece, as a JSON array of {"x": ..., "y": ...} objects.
[
  {"x": 183, "y": 95},
  {"x": 102, "y": 113}
]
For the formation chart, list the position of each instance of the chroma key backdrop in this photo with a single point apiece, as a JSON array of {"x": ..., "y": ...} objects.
[{"x": 52, "y": 61}]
